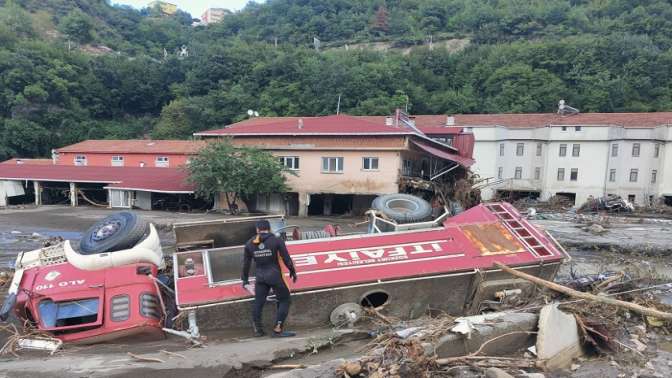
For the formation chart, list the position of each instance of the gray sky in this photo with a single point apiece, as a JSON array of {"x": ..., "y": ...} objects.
[{"x": 195, "y": 7}]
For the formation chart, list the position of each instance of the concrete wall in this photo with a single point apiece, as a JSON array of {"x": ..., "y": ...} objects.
[{"x": 353, "y": 180}]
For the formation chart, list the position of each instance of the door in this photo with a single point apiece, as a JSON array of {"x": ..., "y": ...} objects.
[{"x": 120, "y": 199}]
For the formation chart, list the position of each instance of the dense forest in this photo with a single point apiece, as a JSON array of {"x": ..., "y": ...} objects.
[{"x": 78, "y": 69}]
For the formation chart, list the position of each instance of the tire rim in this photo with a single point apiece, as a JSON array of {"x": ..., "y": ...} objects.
[
  {"x": 401, "y": 205},
  {"x": 106, "y": 230}
]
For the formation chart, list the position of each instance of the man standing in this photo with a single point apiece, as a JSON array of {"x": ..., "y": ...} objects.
[{"x": 269, "y": 253}]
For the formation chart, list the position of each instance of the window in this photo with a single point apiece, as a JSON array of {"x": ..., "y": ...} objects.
[
  {"x": 500, "y": 172},
  {"x": 574, "y": 174},
  {"x": 577, "y": 128},
  {"x": 654, "y": 176},
  {"x": 614, "y": 150},
  {"x": 290, "y": 162},
  {"x": 370, "y": 163},
  {"x": 519, "y": 173},
  {"x": 68, "y": 313},
  {"x": 576, "y": 150},
  {"x": 501, "y": 149},
  {"x": 633, "y": 175},
  {"x": 631, "y": 198},
  {"x": 561, "y": 174},
  {"x": 407, "y": 169},
  {"x": 117, "y": 161},
  {"x": 80, "y": 160},
  {"x": 656, "y": 150},
  {"x": 563, "y": 150},
  {"x": 564, "y": 128},
  {"x": 539, "y": 149},
  {"x": 537, "y": 173},
  {"x": 520, "y": 149},
  {"x": 635, "y": 149},
  {"x": 332, "y": 164},
  {"x": 612, "y": 175},
  {"x": 161, "y": 161}
]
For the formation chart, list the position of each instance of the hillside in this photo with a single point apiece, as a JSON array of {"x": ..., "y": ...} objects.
[{"x": 77, "y": 69}]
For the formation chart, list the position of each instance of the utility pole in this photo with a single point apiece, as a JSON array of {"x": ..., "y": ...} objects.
[{"x": 338, "y": 105}]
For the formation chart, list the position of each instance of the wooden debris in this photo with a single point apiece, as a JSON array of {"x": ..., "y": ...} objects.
[
  {"x": 586, "y": 296},
  {"x": 475, "y": 354},
  {"x": 288, "y": 366},
  {"x": 173, "y": 354},
  {"x": 145, "y": 359}
]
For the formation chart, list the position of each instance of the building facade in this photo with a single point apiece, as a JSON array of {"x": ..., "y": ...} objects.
[
  {"x": 340, "y": 163},
  {"x": 128, "y": 153},
  {"x": 577, "y": 156}
]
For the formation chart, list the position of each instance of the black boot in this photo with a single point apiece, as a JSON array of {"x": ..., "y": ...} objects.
[{"x": 258, "y": 331}]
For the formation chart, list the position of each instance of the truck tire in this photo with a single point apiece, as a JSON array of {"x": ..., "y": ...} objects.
[
  {"x": 403, "y": 208},
  {"x": 114, "y": 233}
]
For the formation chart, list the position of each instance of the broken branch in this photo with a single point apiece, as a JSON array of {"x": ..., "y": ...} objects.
[
  {"x": 145, "y": 359},
  {"x": 586, "y": 296},
  {"x": 288, "y": 366}
]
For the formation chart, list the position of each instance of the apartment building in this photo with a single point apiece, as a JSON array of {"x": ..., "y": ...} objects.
[
  {"x": 341, "y": 163},
  {"x": 574, "y": 155}
]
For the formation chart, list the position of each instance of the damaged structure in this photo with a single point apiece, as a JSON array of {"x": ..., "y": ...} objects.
[{"x": 342, "y": 162}]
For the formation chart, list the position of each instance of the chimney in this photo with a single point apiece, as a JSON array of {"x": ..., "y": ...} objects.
[
  {"x": 389, "y": 121},
  {"x": 450, "y": 121},
  {"x": 300, "y": 123}
]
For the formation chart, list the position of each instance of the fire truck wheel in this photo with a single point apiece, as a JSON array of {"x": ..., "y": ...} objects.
[
  {"x": 114, "y": 233},
  {"x": 403, "y": 208}
]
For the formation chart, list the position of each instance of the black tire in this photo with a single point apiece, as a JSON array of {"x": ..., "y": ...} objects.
[
  {"x": 403, "y": 208},
  {"x": 117, "y": 232}
]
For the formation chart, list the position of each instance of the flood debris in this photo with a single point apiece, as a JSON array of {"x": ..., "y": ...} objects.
[
  {"x": 587, "y": 296},
  {"x": 558, "y": 341}
]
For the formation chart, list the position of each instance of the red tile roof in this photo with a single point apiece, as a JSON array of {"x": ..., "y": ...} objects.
[
  {"x": 327, "y": 125},
  {"x": 165, "y": 180},
  {"x": 136, "y": 146},
  {"x": 436, "y": 124},
  {"x": 19, "y": 161},
  {"x": 628, "y": 120}
]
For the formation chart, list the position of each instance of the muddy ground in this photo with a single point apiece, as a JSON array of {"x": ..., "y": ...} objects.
[{"x": 639, "y": 246}]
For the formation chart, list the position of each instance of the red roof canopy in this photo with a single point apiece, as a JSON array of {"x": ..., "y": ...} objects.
[
  {"x": 163, "y": 180},
  {"x": 461, "y": 160}
]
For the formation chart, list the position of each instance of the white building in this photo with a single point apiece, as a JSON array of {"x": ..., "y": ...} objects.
[
  {"x": 577, "y": 155},
  {"x": 212, "y": 15}
]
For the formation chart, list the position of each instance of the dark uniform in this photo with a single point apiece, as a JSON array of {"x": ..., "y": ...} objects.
[{"x": 267, "y": 250}]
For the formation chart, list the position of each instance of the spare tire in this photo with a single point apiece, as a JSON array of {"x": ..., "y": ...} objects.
[
  {"x": 403, "y": 208},
  {"x": 114, "y": 233}
]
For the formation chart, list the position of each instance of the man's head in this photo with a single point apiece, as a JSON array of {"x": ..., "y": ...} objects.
[{"x": 263, "y": 226}]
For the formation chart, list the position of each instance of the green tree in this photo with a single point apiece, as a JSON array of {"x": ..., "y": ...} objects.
[
  {"x": 238, "y": 172},
  {"x": 78, "y": 26}
]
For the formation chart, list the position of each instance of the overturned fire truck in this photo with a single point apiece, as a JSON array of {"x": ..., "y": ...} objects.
[{"x": 101, "y": 293}]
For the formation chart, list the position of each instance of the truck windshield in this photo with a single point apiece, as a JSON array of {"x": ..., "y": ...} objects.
[{"x": 68, "y": 313}]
